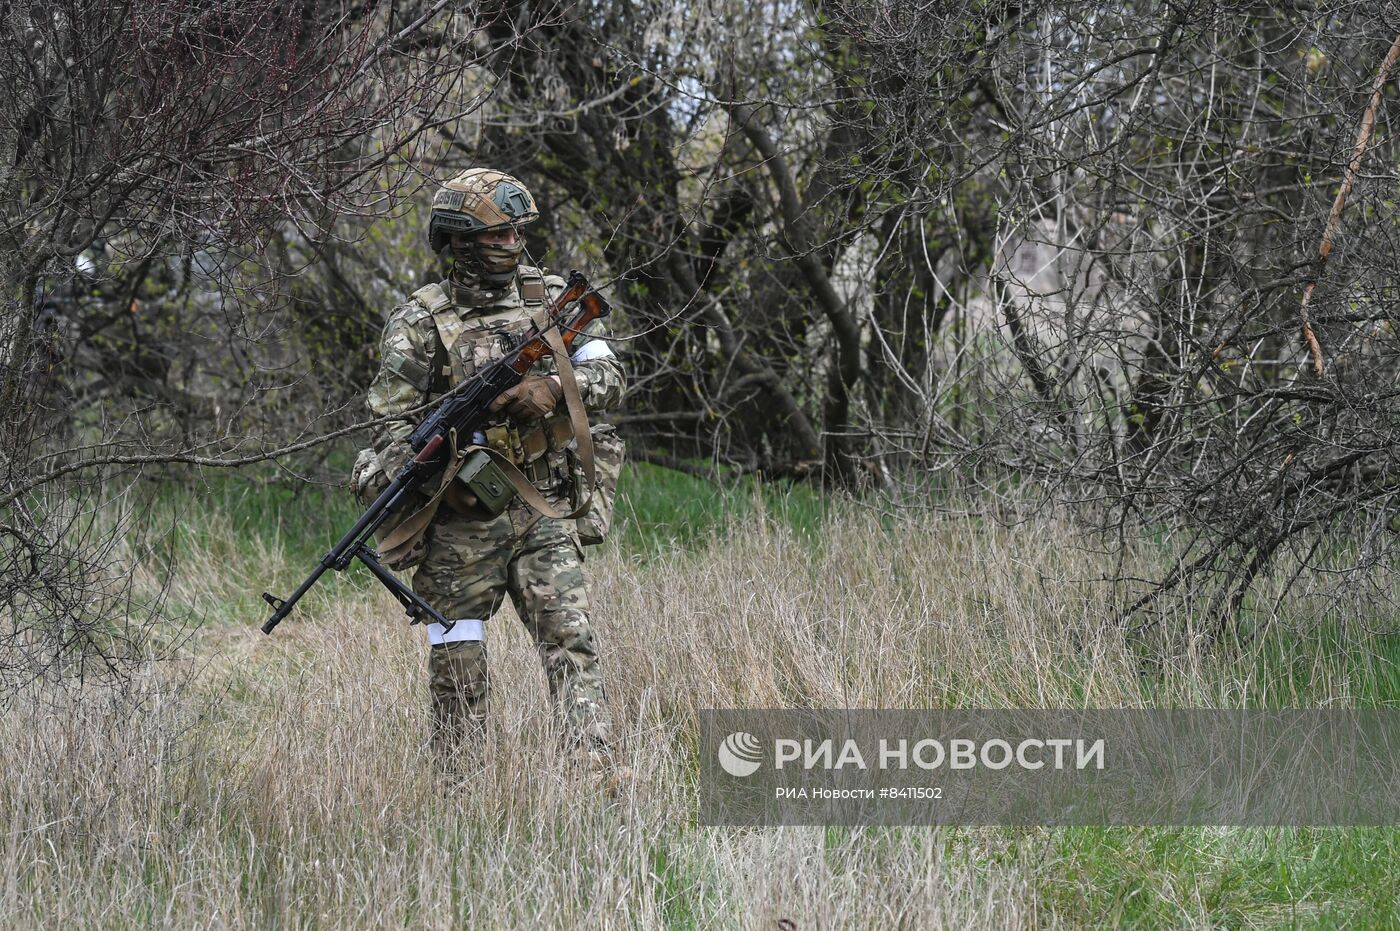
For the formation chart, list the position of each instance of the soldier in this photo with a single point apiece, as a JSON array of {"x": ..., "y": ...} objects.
[{"x": 471, "y": 559}]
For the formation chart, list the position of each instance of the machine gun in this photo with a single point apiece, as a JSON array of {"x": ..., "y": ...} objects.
[{"x": 461, "y": 412}]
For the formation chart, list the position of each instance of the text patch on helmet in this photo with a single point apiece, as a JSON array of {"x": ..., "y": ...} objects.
[{"x": 448, "y": 199}]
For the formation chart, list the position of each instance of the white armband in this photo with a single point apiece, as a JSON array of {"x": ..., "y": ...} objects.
[{"x": 593, "y": 349}]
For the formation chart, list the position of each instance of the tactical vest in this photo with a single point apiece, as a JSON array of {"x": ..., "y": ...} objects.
[{"x": 471, "y": 337}]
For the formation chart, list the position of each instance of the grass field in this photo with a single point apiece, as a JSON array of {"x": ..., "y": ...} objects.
[{"x": 283, "y": 782}]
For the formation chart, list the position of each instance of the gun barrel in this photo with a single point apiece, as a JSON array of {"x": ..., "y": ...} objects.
[{"x": 282, "y": 608}]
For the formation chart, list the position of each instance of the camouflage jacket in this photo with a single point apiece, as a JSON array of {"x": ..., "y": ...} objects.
[{"x": 445, "y": 333}]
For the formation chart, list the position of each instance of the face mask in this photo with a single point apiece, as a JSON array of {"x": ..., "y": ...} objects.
[{"x": 493, "y": 264}]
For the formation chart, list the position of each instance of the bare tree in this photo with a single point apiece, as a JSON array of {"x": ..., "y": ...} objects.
[
  {"x": 157, "y": 159},
  {"x": 1068, "y": 248},
  {"x": 1162, "y": 175}
]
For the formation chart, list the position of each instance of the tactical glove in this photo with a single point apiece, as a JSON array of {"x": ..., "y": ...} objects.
[{"x": 533, "y": 399}]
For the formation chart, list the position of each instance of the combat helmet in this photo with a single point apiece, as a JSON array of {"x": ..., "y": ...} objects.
[{"x": 478, "y": 199}]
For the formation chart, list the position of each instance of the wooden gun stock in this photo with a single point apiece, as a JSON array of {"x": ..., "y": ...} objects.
[{"x": 591, "y": 306}]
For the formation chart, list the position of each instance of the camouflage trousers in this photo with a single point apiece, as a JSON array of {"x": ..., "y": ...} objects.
[{"x": 467, "y": 571}]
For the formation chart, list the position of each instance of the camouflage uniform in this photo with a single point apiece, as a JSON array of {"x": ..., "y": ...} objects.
[{"x": 440, "y": 337}]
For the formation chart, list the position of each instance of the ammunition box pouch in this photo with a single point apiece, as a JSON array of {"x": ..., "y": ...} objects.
[{"x": 483, "y": 479}]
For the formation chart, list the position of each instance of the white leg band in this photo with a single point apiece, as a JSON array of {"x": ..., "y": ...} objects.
[{"x": 465, "y": 629}]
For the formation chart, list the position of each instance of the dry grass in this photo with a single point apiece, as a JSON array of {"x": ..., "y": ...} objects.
[{"x": 283, "y": 782}]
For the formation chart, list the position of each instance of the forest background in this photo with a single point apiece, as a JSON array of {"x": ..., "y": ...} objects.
[{"x": 981, "y": 354}]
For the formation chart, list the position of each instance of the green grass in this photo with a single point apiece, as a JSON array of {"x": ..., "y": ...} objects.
[
  {"x": 672, "y": 873},
  {"x": 659, "y": 509},
  {"x": 1233, "y": 877},
  {"x": 239, "y": 520},
  {"x": 1302, "y": 665},
  {"x": 242, "y": 536}
]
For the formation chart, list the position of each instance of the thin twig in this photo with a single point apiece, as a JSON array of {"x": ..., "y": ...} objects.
[{"x": 1334, "y": 219}]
